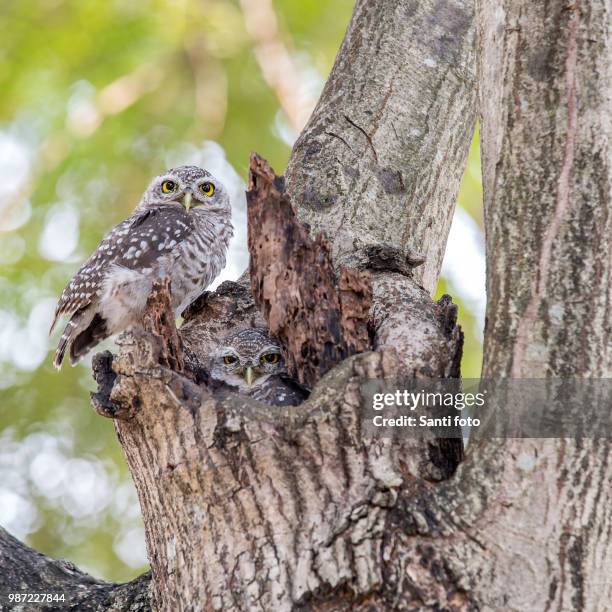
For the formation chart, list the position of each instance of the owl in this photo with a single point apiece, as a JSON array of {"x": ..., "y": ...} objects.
[
  {"x": 250, "y": 362},
  {"x": 180, "y": 229}
]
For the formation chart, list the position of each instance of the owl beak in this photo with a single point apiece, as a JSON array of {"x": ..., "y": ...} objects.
[
  {"x": 187, "y": 200},
  {"x": 249, "y": 375}
]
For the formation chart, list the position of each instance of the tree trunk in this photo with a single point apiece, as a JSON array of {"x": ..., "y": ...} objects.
[
  {"x": 255, "y": 507},
  {"x": 546, "y": 81},
  {"x": 381, "y": 158},
  {"x": 546, "y": 129},
  {"x": 252, "y": 508},
  {"x": 248, "y": 507}
]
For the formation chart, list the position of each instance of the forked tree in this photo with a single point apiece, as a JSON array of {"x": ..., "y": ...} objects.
[{"x": 248, "y": 508}]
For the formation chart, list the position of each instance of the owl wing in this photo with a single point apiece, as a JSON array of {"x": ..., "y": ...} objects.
[
  {"x": 136, "y": 243},
  {"x": 153, "y": 233},
  {"x": 87, "y": 282},
  {"x": 280, "y": 390}
]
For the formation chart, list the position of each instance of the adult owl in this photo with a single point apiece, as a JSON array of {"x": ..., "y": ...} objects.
[
  {"x": 180, "y": 229},
  {"x": 250, "y": 362}
]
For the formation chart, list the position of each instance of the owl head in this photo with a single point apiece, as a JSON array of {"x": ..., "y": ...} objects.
[
  {"x": 196, "y": 189},
  {"x": 246, "y": 359}
]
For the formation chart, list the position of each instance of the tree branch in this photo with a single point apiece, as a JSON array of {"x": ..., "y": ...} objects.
[
  {"x": 23, "y": 570},
  {"x": 380, "y": 160}
]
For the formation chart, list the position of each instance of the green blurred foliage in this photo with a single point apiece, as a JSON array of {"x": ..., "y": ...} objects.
[
  {"x": 463, "y": 277},
  {"x": 96, "y": 98}
]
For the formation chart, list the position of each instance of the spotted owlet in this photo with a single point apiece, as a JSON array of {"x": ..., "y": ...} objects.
[
  {"x": 180, "y": 229},
  {"x": 250, "y": 362}
]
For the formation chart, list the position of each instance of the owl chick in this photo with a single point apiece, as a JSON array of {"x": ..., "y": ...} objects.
[
  {"x": 251, "y": 362},
  {"x": 180, "y": 229}
]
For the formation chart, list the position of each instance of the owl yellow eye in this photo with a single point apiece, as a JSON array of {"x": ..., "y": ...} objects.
[
  {"x": 168, "y": 186},
  {"x": 270, "y": 358},
  {"x": 229, "y": 359},
  {"x": 207, "y": 189}
]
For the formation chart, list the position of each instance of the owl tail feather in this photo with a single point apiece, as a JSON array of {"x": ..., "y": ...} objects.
[
  {"x": 64, "y": 340},
  {"x": 81, "y": 334},
  {"x": 93, "y": 334}
]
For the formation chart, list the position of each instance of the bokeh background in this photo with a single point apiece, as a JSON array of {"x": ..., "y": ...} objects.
[{"x": 97, "y": 97}]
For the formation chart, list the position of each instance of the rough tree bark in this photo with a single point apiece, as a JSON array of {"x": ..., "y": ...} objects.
[
  {"x": 294, "y": 286},
  {"x": 251, "y": 509},
  {"x": 546, "y": 136},
  {"x": 381, "y": 157},
  {"x": 23, "y": 570},
  {"x": 247, "y": 507},
  {"x": 525, "y": 524}
]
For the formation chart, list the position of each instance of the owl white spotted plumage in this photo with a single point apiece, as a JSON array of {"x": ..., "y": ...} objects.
[
  {"x": 180, "y": 229},
  {"x": 250, "y": 362}
]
